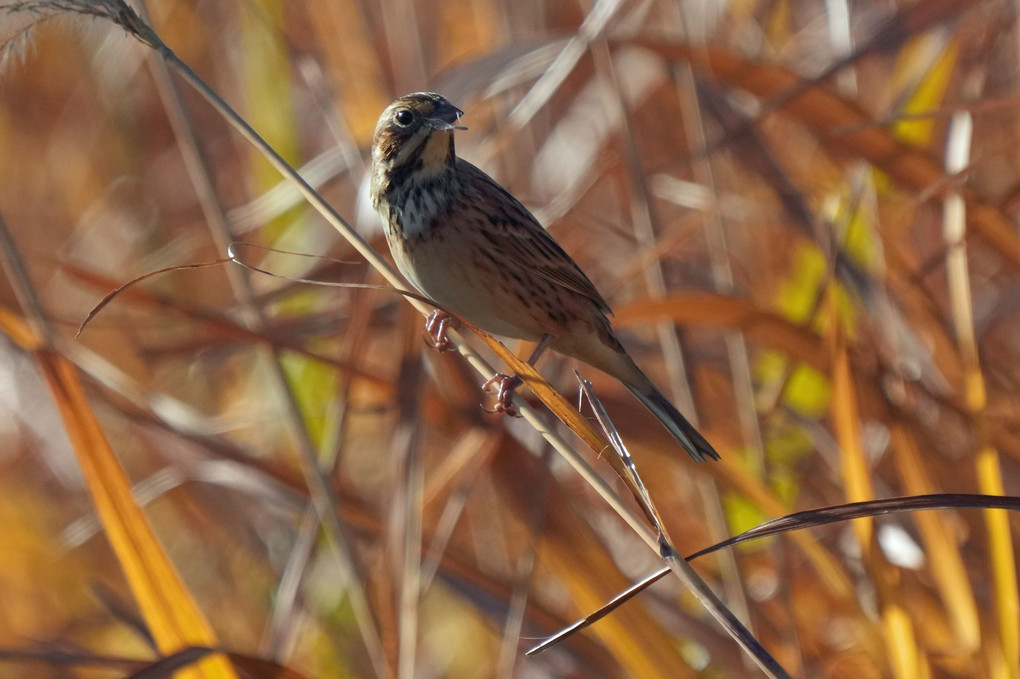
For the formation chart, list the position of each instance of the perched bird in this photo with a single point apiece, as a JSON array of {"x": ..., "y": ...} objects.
[{"x": 463, "y": 241}]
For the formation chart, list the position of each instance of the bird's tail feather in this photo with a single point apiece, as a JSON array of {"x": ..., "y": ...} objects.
[{"x": 682, "y": 430}]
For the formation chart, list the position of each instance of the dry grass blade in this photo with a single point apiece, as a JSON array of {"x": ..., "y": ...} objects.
[
  {"x": 920, "y": 504},
  {"x": 70, "y": 658},
  {"x": 169, "y": 611},
  {"x": 936, "y": 531},
  {"x": 710, "y": 309},
  {"x": 164, "y": 668},
  {"x": 570, "y": 549},
  {"x": 113, "y": 294},
  {"x": 247, "y": 667},
  {"x": 259, "y": 668},
  {"x": 989, "y": 471},
  {"x": 871, "y": 508},
  {"x": 846, "y": 418},
  {"x": 630, "y": 476},
  {"x": 19, "y": 332},
  {"x": 677, "y": 564}
]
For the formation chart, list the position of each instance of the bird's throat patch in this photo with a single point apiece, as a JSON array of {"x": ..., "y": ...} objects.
[{"x": 437, "y": 153}]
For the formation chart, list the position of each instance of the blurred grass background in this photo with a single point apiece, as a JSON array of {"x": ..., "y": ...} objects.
[{"x": 803, "y": 214}]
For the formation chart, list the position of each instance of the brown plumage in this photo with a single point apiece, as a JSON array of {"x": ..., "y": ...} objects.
[{"x": 462, "y": 240}]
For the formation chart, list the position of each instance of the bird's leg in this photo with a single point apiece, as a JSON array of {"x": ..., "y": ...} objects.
[
  {"x": 435, "y": 330},
  {"x": 505, "y": 385}
]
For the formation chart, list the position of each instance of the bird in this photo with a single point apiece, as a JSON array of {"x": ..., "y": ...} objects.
[{"x": 466, "y": 243}]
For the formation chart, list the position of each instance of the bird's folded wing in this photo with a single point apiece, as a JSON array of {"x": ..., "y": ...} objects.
[{"x": 527, "y": 247}]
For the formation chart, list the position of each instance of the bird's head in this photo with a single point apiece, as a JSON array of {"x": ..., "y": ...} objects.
[{"x": 415, "y": 133}]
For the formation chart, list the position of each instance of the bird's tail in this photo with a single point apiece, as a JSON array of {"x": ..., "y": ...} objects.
[
  {"x": 604, "y": 351},
  {"x": 682, "y": 430}
]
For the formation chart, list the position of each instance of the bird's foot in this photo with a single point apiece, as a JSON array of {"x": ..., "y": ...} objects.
[
  {"x": 504, "y": 387},
  {"x": 435, "y": 330}
]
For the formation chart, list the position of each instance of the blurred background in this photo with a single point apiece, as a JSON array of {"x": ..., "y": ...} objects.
[{"x": 802, "y": 212}]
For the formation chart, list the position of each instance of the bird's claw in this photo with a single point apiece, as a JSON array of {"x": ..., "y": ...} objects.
[
  {"x": 435, "y": 330},
  {"x": 504, "y": 386}
]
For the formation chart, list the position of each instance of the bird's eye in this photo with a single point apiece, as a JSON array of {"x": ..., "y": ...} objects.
[{"x": 403, "y": 117}]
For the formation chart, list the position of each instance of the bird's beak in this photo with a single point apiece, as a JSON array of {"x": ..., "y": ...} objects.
[{"x": 445, "y": 117}]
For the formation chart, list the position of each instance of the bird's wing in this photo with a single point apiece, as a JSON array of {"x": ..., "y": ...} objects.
[{"x": 528, "y": 248}]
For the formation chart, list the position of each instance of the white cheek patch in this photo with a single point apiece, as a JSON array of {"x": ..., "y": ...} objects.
[{"x": 406, "y": 149}]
